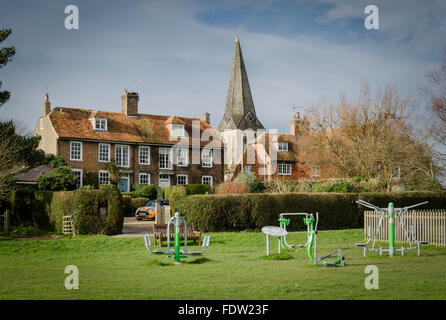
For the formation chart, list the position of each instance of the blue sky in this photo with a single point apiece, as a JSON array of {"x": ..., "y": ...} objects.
[{"x": 177, "y": 54}]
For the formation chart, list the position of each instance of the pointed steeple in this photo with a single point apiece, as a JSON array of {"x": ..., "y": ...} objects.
[{"x": 239, "y": 111}]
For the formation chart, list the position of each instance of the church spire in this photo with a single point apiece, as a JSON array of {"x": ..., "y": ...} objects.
[{"x": 239, "y": 111}]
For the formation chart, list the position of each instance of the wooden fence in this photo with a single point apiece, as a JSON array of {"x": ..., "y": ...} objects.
[{"x": 430, "y": 225}]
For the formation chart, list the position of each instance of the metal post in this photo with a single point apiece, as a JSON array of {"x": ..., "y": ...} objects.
[
  {"x": 177, "y": 239},
  {"x": 279, "y": 241},
  {"x": 267, "y": 244},
  {"x": 391, "y": 211},
  {"x": 6, "y": 223}
]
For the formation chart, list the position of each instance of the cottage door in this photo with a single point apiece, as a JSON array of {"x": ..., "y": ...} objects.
[
  {"x": 164, "y": 180},
  {"x": 124, "y": 184}
]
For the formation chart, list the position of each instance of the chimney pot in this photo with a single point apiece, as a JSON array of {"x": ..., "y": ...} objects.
[
  {"x": 129, "y": 103},
  {"x": 207, "y": 117}
]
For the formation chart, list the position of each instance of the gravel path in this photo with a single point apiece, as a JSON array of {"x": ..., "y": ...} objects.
[{"x": 135, "y": 228}]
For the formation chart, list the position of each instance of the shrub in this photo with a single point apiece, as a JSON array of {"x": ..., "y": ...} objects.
[
  {"x": 54, "y": 161},
  {"x": 251, "y": 180},
  {"x": 190, "y": 189},
  {"x": 176, "y": 195},
  {"x": 60, "y": 179},
  {"x": 87, "y": 187},
  {"x": 127, "y": 205},
  {"x": 253, "y": 211},
  {"x": 30, "y": 208},
  {"x": 338, "y": 186},
  {"x": 45, "y": 209},
  {"x": 159, "y": 193},
  {"x": 232, "y": 188},
  {"x": 144, "y": 191},
  {"x": 91, "y": 178}
]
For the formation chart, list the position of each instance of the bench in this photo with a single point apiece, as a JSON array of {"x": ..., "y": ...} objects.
[{"x": 160, "y": 233}]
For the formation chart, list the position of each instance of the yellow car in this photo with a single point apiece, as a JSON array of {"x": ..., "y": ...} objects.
[{"x": 148, "y": 211}]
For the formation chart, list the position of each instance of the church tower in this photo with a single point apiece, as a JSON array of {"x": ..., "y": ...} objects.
[{"x": 240, "y": 123}]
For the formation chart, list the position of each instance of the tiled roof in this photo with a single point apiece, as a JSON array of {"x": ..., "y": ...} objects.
[
  {"x": 74, "y": 123},
  {"x": 32, "y": 174},
  {"x": 290, "y": 155}
]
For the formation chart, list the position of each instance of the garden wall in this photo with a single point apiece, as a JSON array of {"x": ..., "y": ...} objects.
[
  {"x": 95, "y": 211},
  {"x": 253, "y": 211}
]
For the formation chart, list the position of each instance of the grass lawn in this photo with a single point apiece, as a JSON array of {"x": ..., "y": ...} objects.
[{"x": 232, "y": 268}]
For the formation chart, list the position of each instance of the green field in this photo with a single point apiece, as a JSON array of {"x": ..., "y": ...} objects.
[{"x": 233, "y": 268}]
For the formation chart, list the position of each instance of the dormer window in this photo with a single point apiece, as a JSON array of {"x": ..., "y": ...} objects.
[
  {"x": 282, "y": 146},
  {"x": 177, "y": 130},
  {"x": 100, "y": 124}
]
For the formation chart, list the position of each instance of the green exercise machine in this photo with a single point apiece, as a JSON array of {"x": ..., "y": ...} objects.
[
  {"x": 177, "y": 253},
  {"x": 391, "y": 213},
  {"x": 311, "y": 221}
]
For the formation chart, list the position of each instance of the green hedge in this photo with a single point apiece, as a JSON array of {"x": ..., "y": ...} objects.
[
  {"x": 253, "y": 211},
  {"x": 45, "y": 209},
  {"x": 30, "y": 208},
  {"x": 191, "y": 189}
]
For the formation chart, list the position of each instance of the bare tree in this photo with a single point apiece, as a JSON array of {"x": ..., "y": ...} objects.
[
  {"x": 436, "y": 90},
  {"x": 369, "y": 138}
]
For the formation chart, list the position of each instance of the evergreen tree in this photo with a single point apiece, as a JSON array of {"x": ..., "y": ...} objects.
[{"x": 6, "y": 54}]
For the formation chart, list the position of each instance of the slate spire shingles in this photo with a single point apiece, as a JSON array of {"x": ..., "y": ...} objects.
[{"x": 239, "y": 111}]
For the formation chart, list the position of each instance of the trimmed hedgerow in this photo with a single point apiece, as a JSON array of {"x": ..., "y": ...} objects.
[
  {"x": 253, "y": 211},
  {"x": 191, "y": 189},
  {"x": 115, "y": 214},
  {"x": 29, "y": 208},
  {"x": 45, "y": 209}
]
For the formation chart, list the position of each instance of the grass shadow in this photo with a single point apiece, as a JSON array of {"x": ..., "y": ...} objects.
[
  {"x": 277, "y": 256},
  {"x": 157, "y": 263},
  {"x": 199, "y": 261}
]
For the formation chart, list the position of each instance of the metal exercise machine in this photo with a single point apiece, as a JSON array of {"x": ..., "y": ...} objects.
[
  {"x": 177, "y": 253},
  {"x": 390, "y": 212},
  {"x": 311, "y": 221}
]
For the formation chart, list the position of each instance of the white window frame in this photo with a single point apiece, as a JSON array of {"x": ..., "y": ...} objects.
[
  {"x": 315, "y": 169},
  {"x": 108, "y": 152},
  {"x": 100, "y": 121},
  {"x": 99, "y": 177},
  {"x": 186, "y": 162},
  {"x": 80, "y": 177},
  {"x": 175, "y": 128},
  {"x": 141, "y": 174},
  {"x": 148, "y": 155},
  {"x": 162, "y": 151},
  {"x": 206, "y": 164},
  {"x": 396, "y": 174},
  {"x": 211, "y": 180},
  {"x": 182, "y": 176},
  {"x": 248, "y": 169},
  {"x": 118, "y": 146},
  {"x": 282, "y": 171},
  {"x": 42, "y": 123},
  {"x": 71, "y": 150},
  {"x": 282, "y": 146}
]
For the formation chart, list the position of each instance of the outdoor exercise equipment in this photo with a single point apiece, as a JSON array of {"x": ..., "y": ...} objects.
[
  {"x": 311, "y": 221},
  {"x": 177, "y": 253},
  {"x": 390, "y": 212},
  {"x": 273, "y": 231}
]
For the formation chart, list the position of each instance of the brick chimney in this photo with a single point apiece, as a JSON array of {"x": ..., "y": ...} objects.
[
  {"x": 207, "y": 117},
  {"x": 46, "y": 105},
  {"x": 129, "y": 103},
  {"x": 299, "y": 126}
]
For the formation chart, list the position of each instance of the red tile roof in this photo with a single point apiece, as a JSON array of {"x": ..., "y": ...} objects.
[{"x": 74, "y": 123}]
